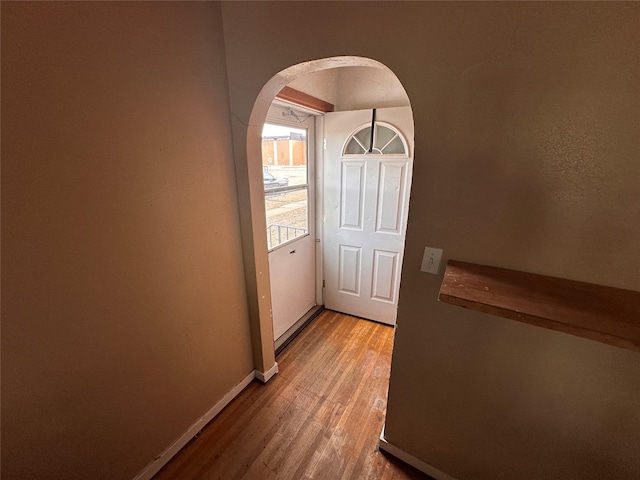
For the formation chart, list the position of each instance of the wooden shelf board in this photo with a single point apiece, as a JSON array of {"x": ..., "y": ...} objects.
[{"x": 604, "y": 314}]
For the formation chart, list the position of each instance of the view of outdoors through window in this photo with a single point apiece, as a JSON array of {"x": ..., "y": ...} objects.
[{"x": 284, "y": 165}]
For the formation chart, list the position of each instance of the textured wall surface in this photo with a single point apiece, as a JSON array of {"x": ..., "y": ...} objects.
[
  {"x": 527, "y": 139},
  {"x": 124, "y": 314},
  {"x": 124, "y": 309}
]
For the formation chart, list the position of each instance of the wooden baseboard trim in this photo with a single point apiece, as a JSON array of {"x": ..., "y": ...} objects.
[
  {"x": 162, "y": 459},
  {"x": 264, "y": 377},
  {"x": 391, "y": 449}
]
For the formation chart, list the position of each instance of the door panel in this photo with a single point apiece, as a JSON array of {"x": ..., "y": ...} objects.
[
  {"x": 365, "y": 207},
  {"x": 385, "y": 266},
  {"x": 391, "y": 193},
  {"x": 349, "y": 269},
  {"x": 288, "y": 164},
  {"x": 292, "y": 275},
  {"x": 352, "y": 194}
]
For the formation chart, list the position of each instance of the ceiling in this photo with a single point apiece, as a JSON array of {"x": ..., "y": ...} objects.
[{"x": 354, "y": 88}]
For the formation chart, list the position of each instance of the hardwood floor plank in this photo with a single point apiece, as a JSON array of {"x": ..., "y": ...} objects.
[{"x": 319, "y": 418}]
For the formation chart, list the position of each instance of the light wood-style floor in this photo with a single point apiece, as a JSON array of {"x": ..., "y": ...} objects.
[{"x": 319, "y": 418}]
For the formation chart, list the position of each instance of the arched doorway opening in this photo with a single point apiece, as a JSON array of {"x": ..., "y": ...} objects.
[{"x": 255, "y": 239}]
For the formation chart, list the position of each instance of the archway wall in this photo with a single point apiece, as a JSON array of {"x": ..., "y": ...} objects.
[
  {"x": 248, "y": 157},
  {"x": 525, "y": 158}
]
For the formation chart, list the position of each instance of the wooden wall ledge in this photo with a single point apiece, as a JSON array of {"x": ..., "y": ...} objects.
[{"x": 604, "y": 314}]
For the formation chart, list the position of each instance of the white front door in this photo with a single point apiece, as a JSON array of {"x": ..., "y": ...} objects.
[
  {"x": 366, "y": 199},
  {"x": 289, "y": 189}
]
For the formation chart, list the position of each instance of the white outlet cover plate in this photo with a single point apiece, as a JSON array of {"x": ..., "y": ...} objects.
[{"x": 431, "y": 260}]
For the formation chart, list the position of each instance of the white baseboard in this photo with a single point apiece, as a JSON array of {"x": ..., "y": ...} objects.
[
  {"x": 264, "y": 377},
  {"x": 383, "y": 444},
  {"x": 162, "y": 459}
]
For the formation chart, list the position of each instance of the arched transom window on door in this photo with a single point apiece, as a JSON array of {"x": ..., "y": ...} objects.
[{"x": 386, "y": 141}]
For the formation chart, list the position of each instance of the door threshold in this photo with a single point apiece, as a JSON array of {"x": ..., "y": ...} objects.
[{"x": 288, "y": 336}]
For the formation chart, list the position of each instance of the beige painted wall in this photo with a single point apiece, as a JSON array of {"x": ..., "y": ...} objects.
[
  {"x": 526, "y": 157},
  {"x": 124, "y": 310},
  {"x": 124, "y": 315}
]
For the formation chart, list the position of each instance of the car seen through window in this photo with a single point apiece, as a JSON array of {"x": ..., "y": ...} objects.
[{"x": 271, "y": 182}]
